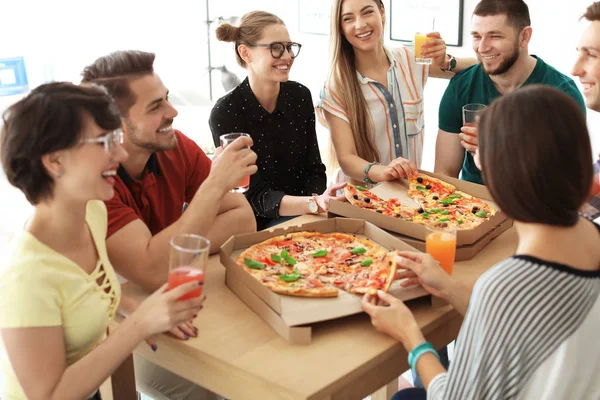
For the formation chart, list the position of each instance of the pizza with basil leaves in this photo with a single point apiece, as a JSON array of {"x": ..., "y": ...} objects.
[
  {"x": 312, "y": 264},
  {"x": 439, "y": 202}
]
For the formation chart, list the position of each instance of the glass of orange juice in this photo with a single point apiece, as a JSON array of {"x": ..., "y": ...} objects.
[
  {"x": 188, "y": 256},
  {"x": 225, "y": 140},
  {"x": 440, "y": 242},
  {"x": 421, "y": 38}
]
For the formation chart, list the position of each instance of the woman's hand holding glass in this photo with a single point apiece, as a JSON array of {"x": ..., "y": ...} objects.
[
  {"x": 435, "y": 48},
  {"x": 161, "y": 312}
]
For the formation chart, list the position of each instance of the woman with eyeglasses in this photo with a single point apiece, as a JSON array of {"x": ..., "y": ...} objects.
[
  {"x": 61, "y": 146},
  {"x": 278, "y": 114},
  {"x": 372, "y": 101}
]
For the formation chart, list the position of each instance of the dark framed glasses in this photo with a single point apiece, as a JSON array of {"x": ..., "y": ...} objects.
[{"x": 278, "y": 48}]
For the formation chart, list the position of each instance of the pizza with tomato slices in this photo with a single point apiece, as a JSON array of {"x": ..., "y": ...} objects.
[
  {"x": 312, "y": 264},
  {"x": 439, "y": 202}
]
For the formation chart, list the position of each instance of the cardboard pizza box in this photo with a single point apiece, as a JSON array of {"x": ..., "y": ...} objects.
[
  {"x": 465, "y": 252},
  {"x": 287, "y": 314},
  {"x": 399, "y": 189}
]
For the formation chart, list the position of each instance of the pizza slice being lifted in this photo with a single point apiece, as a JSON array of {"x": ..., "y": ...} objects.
[
  {"x": 362, "y": 197},
  {"x": 426, "y": 188}
]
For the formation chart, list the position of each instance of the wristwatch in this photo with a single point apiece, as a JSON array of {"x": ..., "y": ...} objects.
[
  {"x": 313, "y": 207},
  {"x": 451, "y": 64}
]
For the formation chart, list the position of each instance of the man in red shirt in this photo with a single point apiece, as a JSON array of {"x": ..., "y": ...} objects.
[{"x": 164, "y": 172}]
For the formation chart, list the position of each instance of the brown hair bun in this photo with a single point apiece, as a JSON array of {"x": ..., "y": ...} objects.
[{"x": 227, "y": 32}]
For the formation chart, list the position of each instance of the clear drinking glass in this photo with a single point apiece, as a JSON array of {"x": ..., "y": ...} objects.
[
  {"x": 225, "y": 140},
  {"x": 440, "y": 242},
  {"x": 188, "y": 256},
  {"x": 470, "y": 113},
  {"x": 421, "y": 37}
]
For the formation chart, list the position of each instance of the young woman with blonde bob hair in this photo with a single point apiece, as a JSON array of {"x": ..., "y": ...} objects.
[{"x": 373, "y": 96}]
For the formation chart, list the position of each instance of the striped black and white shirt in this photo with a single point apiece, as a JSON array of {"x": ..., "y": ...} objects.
[{"x": 532, "y": 331}]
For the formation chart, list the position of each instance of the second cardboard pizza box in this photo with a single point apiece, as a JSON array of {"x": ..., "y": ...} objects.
[
  {"x": 399, "y": 189},
  {"x": 295, "y": 311},
  {"x": 465, "y": 252}
]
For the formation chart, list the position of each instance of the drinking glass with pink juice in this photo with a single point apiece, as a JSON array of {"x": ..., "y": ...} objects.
[
  {"x": 188, "y": 256},
  {"x": 471, "y": 113},
  {"x": 225, "y": 140},
  {"x": 440, "y": 242}
]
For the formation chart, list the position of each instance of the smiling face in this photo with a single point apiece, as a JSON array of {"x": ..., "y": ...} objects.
[
  {"x": 362, "y": 24},
  {"x": 497, "y": 45},
  {"x": 88, "y": 170},
  {"x": 259, "y": 60},
  {"x": 587, "y": 66},
  {"x": 149, "y": 123}
]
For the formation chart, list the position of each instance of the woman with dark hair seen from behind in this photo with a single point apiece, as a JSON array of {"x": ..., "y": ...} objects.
[
  {"x": 535, "y": 315},
  {"x": 278, "y": 114},
  {"x": 61, "y": 146}
]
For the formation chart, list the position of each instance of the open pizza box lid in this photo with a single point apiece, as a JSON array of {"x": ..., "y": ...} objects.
[
  {"x": 399, "y": 189},
  {"x": 287, "y": 313}
]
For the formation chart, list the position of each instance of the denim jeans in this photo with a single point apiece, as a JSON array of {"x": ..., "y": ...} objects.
[{"x": 410, "y": 394}]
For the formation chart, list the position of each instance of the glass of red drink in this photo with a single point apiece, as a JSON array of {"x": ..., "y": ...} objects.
[
  {"x": 188, "y": 256},
  {"x": 225, "y": 140},
  {"x": 471, "y": 112}
]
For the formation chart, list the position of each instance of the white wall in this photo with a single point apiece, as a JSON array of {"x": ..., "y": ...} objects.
[{"x": 59, "y": 37}]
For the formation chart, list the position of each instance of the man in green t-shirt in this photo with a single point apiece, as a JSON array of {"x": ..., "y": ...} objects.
[
  {"x": 501, "y": 33},
  {"x": 587, "y": 69}
]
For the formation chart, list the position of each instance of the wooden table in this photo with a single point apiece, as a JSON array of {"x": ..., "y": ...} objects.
[{"x": 239, "y": 356}]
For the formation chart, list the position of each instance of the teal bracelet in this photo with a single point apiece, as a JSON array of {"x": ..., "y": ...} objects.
[
  {"x": 417, "y": 352},
  {"x": 366, "y": 172}
]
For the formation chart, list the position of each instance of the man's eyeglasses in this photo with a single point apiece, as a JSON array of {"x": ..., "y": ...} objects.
[
  {"x": 110, "y": 140},
  {"x": 277, "y": 48}
]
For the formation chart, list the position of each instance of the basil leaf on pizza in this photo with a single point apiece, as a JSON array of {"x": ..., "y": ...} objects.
[
  {"x": 290, "y": 277},
  {"x": 290, "y": 260},
  {"x": 358, "y": 250},
  {"x": 320, "y": 253},
  {"x": 253, "y": 264},
  {"x": 366, "y": 262}
]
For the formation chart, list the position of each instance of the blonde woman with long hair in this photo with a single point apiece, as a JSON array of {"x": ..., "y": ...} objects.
[{"x": 373, "y": 98}]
